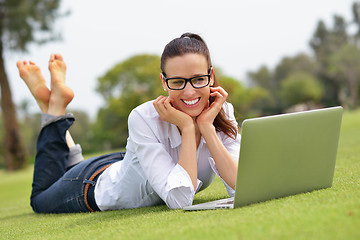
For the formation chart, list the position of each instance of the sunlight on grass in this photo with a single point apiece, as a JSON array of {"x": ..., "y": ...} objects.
[{"x": 332, "y": 213}]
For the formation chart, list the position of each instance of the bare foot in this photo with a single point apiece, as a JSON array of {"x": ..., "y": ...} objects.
[
  {"x": 61, "y": 95},
  {"x": 35, "y": 81}
]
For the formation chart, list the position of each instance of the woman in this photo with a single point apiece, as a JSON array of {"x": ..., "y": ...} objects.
[{"x": 176, "y": 145}]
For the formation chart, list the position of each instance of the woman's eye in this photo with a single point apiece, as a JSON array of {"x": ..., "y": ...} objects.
[
  {"x": 198, "y": 80},
  {"x": 178, "y": 82}
]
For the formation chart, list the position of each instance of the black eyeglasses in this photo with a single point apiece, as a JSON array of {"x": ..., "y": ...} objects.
[{"x": 180, "y": 83}]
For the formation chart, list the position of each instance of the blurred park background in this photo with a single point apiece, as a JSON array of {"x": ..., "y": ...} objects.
[{"x": 271, "y": 56}]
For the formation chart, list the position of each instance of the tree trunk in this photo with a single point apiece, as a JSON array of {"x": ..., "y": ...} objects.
[
  {"x": 15, "y": 155},
  {"x": 353, "y": 91}
]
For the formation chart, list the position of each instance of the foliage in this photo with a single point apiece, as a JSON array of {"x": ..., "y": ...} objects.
[
  {"x": 262, "y": 77},
  {"x": 289, "y": 65},
  {"x": 325, "y": 42},
  {"x": 344, "y": 66},
  {"x": 272, "y": 81},
  {"x": 30, "y": 129},
  {"x": 27, "y": 21},
  {"x": 125, "y": 86},
  {"x": 139, "y": 74},
  {"x": 81, "y": 129},
  {"x": 243, "y": 99},
  {"x": 301, "y": 87}
]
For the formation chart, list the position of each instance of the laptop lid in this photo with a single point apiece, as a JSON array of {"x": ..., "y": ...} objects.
[{"x": 287, "y": 154}]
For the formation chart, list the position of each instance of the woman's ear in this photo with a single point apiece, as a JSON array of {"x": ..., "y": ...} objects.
[
  {"x": 212, "y": 76},
  {"x": 163, "y": 81}
]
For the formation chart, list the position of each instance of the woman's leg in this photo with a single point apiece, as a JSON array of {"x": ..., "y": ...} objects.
[
  {"x": 52, "y": 149},
  {"x": 61, "y": 96}
]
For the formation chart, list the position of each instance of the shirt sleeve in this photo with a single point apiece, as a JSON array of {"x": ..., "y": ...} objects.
[
  {"x": 232, "y": 145},
  {"x": 169, "y": 180},
  {"x": 180, "y": 188}
]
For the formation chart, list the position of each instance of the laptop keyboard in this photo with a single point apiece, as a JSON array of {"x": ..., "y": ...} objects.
[{"x": 227, "y": 202}]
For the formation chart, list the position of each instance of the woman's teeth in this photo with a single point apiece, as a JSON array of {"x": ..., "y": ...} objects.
[{"x": 192, "y": 102}]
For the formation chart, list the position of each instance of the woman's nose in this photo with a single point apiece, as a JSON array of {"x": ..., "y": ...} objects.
[{"x": 189, "y": 90}]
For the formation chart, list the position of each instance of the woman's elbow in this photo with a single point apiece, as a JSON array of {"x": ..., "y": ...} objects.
[{"x": 179, "y": 201}]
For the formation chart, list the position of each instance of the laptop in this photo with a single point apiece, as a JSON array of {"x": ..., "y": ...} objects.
[{"x": 284, "y": 155}]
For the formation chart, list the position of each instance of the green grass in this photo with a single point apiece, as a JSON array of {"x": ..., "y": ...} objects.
[{"x": 332, "y": 213}]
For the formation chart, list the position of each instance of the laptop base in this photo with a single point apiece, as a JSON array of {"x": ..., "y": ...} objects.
[{"x": 226, "y": 203}]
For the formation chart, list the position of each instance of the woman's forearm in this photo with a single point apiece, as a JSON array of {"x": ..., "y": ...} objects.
[
  {"x": 226, "y": 165},
  {"x": 188, "y": 153}
]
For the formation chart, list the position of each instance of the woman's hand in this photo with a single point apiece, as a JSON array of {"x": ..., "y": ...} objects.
[
  {"x": 170, "y": 114},
  {"x": 206, "y": 118}
]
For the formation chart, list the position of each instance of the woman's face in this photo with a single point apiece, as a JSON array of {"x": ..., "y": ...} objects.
[{"x": 189, "y": 100}]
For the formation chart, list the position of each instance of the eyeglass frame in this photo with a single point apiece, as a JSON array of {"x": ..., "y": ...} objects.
[{"x": 187, "y": 80}]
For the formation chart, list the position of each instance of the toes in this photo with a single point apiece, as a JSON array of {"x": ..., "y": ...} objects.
[
  {"x": 32, "y": 63},
  {"x": 58, "y": 57},
  {"x": 20, "y": 64},
  {"x": 52, "y": 57}
]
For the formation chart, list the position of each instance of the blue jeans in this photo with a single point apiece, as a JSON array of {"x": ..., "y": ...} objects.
[{"x": 56, "y": 189}]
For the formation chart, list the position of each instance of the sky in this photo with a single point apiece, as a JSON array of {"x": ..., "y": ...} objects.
[{"x": 241, "y": 36}]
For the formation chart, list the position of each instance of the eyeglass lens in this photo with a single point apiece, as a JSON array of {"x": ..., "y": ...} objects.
[{"x": 196, "y": 82}]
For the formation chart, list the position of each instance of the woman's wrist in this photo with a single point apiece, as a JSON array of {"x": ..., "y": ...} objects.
[
  {"x": 187, "y": 128},
  {"x": 207, "y": 129}
]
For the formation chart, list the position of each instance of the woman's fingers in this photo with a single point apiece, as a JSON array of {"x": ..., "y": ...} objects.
[
  {"x": 164, "y": 108},
  {"x": 220, "y": 96},
  {"x": 167, "y": 105},
  {"x": 159, "y": 105},
  {"x": 219, "y": 92}
]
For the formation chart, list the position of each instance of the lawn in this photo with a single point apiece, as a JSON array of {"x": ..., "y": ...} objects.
[{"x": 332, "y": 213}]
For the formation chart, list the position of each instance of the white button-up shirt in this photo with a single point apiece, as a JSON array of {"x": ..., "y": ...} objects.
[{"x": 149, "y": 174}]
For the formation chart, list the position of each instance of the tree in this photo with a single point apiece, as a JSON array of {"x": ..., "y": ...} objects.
[
  {"x": 271, "y": 80},
  {"x": 344, "y": 65},
  {"x": 263, "y": 78},
  {"x": 243, "y": 99},
  {"x": 356, "y": 21},
  {"x": 2, "y": 160},
  {"x": 21, "y": 23},
  {"x": 298, "y": 63},
  {"x": 301, "y": 87},
  {"x": 125, "y": 86},
  {"x": 324, "y": 43}
]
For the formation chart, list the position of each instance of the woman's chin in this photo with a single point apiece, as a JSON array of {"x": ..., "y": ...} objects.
[{"x": 193, "y": 112}]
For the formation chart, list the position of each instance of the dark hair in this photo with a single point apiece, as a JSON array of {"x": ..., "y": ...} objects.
[{"x": 193, "y": 43}]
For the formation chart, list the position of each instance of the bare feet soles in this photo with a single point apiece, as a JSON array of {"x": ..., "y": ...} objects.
[
  {"x": 53, "y": 102},
  {"x": 35, "y": 81},
  {"x": 61, "y": 95}
]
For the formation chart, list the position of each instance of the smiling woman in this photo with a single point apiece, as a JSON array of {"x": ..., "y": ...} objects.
[{"x": 176, "y": 145}]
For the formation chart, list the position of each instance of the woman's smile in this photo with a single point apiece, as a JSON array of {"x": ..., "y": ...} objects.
[{"x": 191, "y": 103}]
